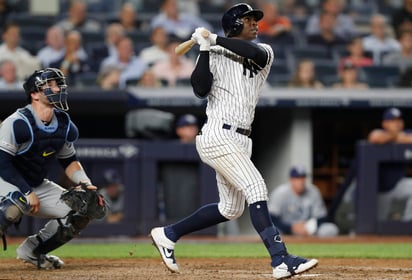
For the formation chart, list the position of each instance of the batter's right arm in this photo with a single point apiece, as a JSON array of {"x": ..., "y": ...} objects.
[{"x": 201, "y": 78}]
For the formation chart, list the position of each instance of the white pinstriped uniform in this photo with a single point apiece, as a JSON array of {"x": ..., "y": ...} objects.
[{"x": 232, "y": 100}]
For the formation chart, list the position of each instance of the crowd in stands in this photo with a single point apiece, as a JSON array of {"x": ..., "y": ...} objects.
[{"x": 115, "y": 44}]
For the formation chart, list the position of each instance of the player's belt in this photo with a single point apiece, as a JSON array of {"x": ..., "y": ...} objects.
[{"x": 242, "y": 131}]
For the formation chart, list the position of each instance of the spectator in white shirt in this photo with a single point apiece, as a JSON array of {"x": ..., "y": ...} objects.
[
  {"x": 8, "y": 76},
  {"x": 176, "y": 23},
  {"x": 11, "y": 50},
  {"x": 54, "y": 48},
  {"x": 379, "y": 42},
  {"x": 158, "y": 50}
]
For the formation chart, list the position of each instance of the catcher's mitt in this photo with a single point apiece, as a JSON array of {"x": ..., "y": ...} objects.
[{"x": 85, "y": 202}]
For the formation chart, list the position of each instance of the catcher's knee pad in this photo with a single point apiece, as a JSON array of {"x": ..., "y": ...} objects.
[{"x": 12, "y": 207}]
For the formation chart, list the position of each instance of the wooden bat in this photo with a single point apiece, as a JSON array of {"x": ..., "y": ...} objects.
[{"x": 185, "y": 46}]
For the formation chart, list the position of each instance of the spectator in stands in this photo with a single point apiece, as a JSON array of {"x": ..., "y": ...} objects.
[
  {"x": 187, "y": 127},
  {"x": 175, "y": 22},
  {"x": 8, "y": 76},
  {"x": 54, "y": 48},
  {"x": 114, "y": 32},
  {"x": 158, "y": 50},
  {"x": 344, "y": 27},
  {"x": 379, "y": 42},
  {"x": 11, "y": 50},
  {"x": 326, "y": 35},
  {"x": 128, "y": 18},
  {"x": 149, "y": 80},
  {"x": 402, "y": 18},
  {"x": 403, "y": 58},
  {"x": 273, "y": 27},
  {"x": 349, "y": 77},
  {"x": 113, "y": 192},
  {"x": 132, "y": 67},
  {"x": 109, "y": 78},
  {"x": 356, "y": 54},
  {"x": 305, "y": 76},
  {"x": 297, "y": 207},
  {"x": 74, "y": 61},
  {"x": 175, "y": 67},
  {"x": 78, "y": 19}
]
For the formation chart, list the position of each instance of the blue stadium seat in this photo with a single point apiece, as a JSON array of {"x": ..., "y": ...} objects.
[
  {"x": 379, "y": 76},
  {"x": 279, "y": 75}
]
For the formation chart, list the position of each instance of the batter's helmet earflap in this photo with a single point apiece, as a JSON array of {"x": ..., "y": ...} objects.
[
  {"x": 39, "y": 78},
  {"x": 231, "y": 20}
]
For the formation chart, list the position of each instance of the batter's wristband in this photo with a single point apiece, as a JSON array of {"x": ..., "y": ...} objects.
[{"x": 80, "y": 176}]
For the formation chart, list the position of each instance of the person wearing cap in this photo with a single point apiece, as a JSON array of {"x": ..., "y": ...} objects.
[
  {"x": 187, "y": 128},
  {"x": 392, "y": 130},
  {"x": 393, "y": 185},
  {"x": 113, "y": 193},
  {"x": 297, "y": 208}
]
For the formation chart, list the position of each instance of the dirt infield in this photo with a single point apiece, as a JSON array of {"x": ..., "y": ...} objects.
[
  {"x": 203, "y": 269},
  {"x": 213, "y": 268}
]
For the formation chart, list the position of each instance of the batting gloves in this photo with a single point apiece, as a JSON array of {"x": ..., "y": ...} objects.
[{"x": 203, "y": 42}]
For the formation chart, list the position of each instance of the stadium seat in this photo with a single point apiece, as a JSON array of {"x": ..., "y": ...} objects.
[
  {"x": 279, "y": 75},
  {"x": 326, "y": 72},
  {"x": 379, "y": 76},
  {"x": 318, "y": 53}
]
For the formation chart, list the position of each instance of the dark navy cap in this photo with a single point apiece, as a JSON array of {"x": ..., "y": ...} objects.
[
  {"x": 187, "y": 119},
  {"x": 391, "y": 114},
  {"x": 297, "y": 171}
]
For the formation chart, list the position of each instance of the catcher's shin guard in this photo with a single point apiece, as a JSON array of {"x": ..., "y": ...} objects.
[
  {"x": 12, "y": 208},
  {"x": 65, "y": 232}
]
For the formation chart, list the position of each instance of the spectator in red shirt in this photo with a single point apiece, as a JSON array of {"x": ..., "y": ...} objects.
[
  {"x": 274, "y": 27},
  {"x": 356, "y": 54}
]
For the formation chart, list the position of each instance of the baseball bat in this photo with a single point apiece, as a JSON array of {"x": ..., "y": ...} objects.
[{"x": 185, "y": 46}]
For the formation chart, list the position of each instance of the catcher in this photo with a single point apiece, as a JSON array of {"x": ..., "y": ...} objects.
[{"x": 29, "y": 139}]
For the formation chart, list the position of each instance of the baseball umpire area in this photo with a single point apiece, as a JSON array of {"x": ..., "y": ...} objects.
[{"x": 134, "y": 267}]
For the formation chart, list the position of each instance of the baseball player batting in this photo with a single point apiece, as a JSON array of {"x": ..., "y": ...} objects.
[
  {"x": 230, "y": 72},
  {"x": 29, "y": 139}
]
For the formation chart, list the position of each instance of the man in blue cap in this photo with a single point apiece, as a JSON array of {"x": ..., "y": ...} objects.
[
  {"x": 297, "y": 207},
  {"x": 392, "y": 182}
]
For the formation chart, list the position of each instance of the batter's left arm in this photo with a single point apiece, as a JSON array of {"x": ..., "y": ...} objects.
[{"x": 245, "y": 49}]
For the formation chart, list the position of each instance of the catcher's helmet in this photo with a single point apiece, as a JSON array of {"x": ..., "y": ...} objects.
[
  {"x": 39, "y": 78},
  {"x": 231, "y": 23}
]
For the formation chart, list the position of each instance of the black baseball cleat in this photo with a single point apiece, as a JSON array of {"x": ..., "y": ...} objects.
[
  {"x": 165, "y": 247},
  {"x": 292, "y": 265}
]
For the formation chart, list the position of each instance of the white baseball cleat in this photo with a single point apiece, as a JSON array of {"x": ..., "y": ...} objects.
[
  {"x": 165, "y": 247},
  {"x": 293, "y": 265}
]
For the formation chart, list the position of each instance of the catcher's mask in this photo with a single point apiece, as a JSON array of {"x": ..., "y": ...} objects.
[
  {"x": 231, "y": 20},
  {"x": 41, "y": 78}
]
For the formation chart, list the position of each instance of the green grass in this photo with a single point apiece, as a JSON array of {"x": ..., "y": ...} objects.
[{"x": 216, "y": 250}]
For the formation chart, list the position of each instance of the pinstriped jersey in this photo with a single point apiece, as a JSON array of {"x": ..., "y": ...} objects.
[{"x": 237, "y": 84}]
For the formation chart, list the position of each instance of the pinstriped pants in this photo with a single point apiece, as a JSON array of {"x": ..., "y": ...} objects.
[{"x": 238, "y": 180}]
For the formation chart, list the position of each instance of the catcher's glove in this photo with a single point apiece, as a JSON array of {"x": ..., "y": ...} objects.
[{"x": 86, "y": 202}]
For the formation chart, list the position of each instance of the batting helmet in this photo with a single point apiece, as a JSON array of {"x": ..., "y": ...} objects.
[
  {"x": 231, "y": 23},
  {"x": 37, "y": 80}
]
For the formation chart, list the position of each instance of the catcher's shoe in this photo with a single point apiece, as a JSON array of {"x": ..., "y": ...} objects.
[
  {"x": 165, "y": 247},
  {"x": 292, "y": 265},
  {"x": 25, "y": 253}
]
